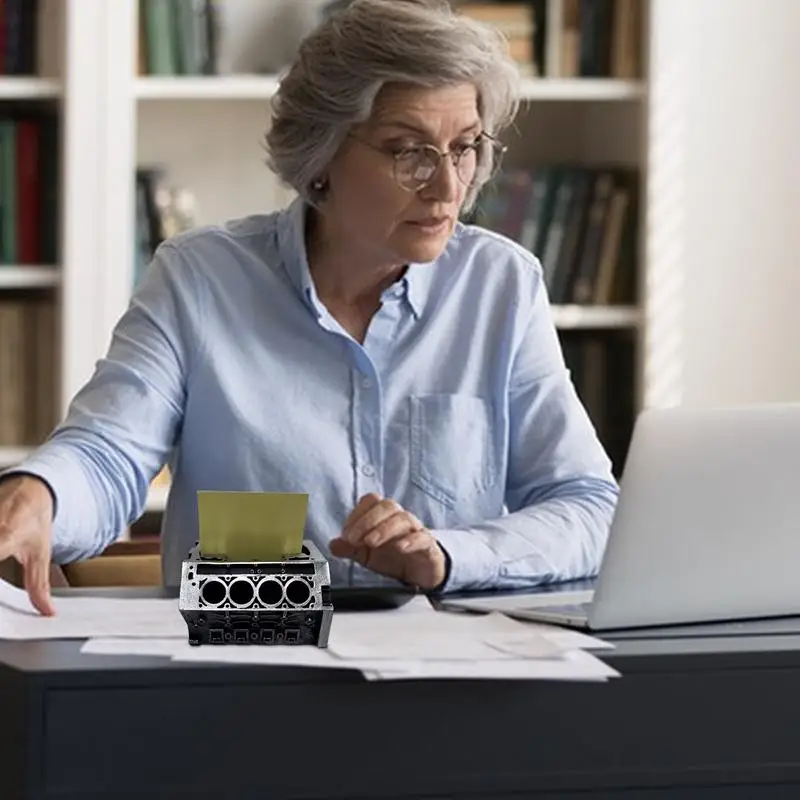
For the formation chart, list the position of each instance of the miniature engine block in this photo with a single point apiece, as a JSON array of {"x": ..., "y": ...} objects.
[{"x": 257, "y": 602}]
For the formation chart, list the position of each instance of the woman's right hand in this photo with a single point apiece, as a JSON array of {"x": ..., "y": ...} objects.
[{"x": 26, "y": 514}]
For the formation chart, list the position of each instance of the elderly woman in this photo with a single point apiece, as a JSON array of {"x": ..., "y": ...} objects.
[{"x": 361, "y": 345}]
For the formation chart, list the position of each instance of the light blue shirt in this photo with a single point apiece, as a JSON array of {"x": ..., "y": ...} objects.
[{"x": 227, "y": 366}]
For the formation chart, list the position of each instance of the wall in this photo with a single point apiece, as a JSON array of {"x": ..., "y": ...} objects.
[{"x": 742, "y": 248}]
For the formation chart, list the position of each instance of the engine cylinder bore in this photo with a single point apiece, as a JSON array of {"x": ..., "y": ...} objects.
[
  {"x": 213, "y": 591},
  {"x": 241, "y": 592},
  {"x": 270, "y": 592},
  {"x": 297, "y": 592}
]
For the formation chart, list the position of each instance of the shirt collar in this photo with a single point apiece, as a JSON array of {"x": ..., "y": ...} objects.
[
  {"x": 292, "y": 246},
  {"x": 416, "y": 281}
]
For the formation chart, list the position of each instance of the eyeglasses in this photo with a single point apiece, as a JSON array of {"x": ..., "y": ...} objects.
[{"x": 415, "y": 168}]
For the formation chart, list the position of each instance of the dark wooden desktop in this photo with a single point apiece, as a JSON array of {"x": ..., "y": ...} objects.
[{"x": 697, "y": 717}]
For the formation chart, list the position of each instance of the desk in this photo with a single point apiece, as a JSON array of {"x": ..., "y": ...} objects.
[{"x": 716, "y": 718}]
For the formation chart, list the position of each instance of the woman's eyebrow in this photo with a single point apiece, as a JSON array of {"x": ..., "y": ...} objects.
[{"x": 410, "y": 126}]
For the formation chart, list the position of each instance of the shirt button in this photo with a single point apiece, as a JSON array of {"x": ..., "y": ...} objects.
[
  {"x": 368, "y": 470},
  {"x": 366, "y": 383}
]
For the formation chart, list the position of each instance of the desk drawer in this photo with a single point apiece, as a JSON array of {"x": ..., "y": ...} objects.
[{"x": 417, "y": 739}]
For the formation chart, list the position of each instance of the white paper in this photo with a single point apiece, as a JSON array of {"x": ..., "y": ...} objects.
[
  {"x": 441, "y": 635},
  {"x": 129, "y": 646},
  {"x": 576, "y": 665},
  {"x": 509, "y": 659},
  {"x": 94, "y": 617},
  {"x": 87, "y": 617},
  {"x": 514, "y": 605}
]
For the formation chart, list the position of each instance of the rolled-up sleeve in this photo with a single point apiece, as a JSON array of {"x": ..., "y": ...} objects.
[{"x": 560, "y": 489}]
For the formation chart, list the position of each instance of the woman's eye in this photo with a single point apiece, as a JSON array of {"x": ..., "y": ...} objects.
[{"x": 407, "y": 152}]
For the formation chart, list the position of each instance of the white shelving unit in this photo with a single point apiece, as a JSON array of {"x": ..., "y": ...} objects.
[
  {"x": 256, "y": 87},
  {"x": 28, "y": 277},
  {"x": 227, "y": 115},
  {"x": 24, "y": 88},
  {"x": 233, "y": 87},
  {"x": 712, "y": 133},
  {"x": 574, "y": 317},
  {"x": 45, "y": 89}
]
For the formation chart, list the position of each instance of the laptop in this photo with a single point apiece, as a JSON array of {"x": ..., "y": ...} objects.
[{"x": 707, "y": 525}]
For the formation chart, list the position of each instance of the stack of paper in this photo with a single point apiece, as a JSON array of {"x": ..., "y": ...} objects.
[{"x": 414, "y": 641}]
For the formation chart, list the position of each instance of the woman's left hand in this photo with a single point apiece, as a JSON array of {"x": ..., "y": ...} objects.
[{"x": 382, "y": 536}]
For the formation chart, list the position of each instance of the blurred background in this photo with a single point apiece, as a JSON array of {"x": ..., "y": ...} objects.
[{"x": 654, "y": 169}]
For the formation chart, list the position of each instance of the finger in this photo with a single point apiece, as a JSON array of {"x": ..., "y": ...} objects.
[
  {"x": 341, "y": 548},
  {"x": 37, "y": 581},
  {"x": 372, "y": 519},
  {"x": 392, "y": 528},
  {"x": 418, "y": 541},
  {"x": 7, "y": 543},
  {"x": 367, "y": 502}
]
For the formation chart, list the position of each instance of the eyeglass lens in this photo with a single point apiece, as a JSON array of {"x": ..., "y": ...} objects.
[{"x": 415, "y": 169}]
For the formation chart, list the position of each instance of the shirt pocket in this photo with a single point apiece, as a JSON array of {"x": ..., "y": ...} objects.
[{"x": 452, "y": 453}]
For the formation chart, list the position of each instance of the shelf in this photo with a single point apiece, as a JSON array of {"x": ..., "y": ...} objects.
[
  {"x": 28, "y": 277},
  {"x": 602, "y": 89},
  {"x": 25, "y": 88},
  {"x": 572, "y": 317},
  {"x": 157, "y": 498},
  {"x": 263, "y": 87},
  {"x": 10, "y": 456},
  {"x": 224, "y": 87}
]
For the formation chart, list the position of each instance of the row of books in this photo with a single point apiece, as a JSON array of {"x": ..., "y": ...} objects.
[
  {"x": 521, "y": 25},
  {"x": 19, "y": 36},
  {"x": 602, "y": 364},
  {"x": 162, "y": 211},
  {"x": 177, "y": 37},
  {"x": 596, "y": 38},
  {"x": 28, "y": 368},
  {"x": 29, "y": 181},
  {"x": 581, "y": 222},
  {"x": 600, "y": 39}
]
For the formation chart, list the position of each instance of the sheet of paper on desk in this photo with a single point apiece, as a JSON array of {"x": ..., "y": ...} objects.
[
  {"x": 86, "y": 617},
  {"x": 576, "y": 665},
  {"x": 507, "y": 649},
  {"x": 389, "y": 644},
  {"x": 509, "y": 604},
  {"x": 179, "y": 645},
  {"x": 440, "y": 635},
  {"x": 251, "y": 526}
]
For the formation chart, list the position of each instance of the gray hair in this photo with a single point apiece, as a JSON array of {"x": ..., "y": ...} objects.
[{"x": 343, "y": 64}]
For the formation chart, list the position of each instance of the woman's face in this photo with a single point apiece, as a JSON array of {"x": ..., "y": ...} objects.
[{"x": 365, "y": 204}]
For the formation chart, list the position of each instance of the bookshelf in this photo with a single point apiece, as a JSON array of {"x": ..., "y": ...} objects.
[
  {"x": 28, "y": 276},
  {"x": 563, "y": 118},
  {"x": 713, "y": 318},
  {"x": 255, "y": 87},
  {"x": 32, "y": 115},
  {"x": 29, "y": 88}
]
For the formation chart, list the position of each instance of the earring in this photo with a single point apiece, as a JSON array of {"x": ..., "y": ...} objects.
[{"x": 318, "y": 185}]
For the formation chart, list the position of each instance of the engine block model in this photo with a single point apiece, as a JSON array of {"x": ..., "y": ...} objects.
[{"x": 257, "y": 602}]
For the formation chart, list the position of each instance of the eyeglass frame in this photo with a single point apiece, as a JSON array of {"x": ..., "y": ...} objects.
[{"x": 499, "y": 147}]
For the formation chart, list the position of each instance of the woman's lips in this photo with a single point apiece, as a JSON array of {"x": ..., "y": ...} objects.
[{"x": 431, "y": 224}]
